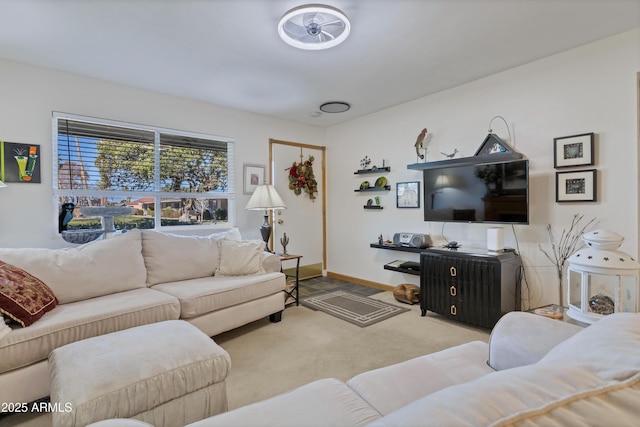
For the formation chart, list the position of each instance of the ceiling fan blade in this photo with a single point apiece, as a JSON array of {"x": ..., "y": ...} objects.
[
  {"x": 310, "y": 39},
  {"x": 294, "y": 29},
  {"x": 334, "y": 22},
  {"x": 326, "y": 35},
  {"x": 310, "y": 18}
]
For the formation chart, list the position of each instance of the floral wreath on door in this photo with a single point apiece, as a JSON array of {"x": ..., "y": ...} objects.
[{"x": 302, "y": 179}]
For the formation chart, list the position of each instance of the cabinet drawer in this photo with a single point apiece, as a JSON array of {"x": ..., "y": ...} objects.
[{"x": 460, "y": 269}]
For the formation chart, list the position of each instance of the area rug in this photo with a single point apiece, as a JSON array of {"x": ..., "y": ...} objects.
[{"x": 356, "y": 309}]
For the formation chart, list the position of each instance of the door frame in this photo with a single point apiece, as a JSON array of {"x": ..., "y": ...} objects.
[{"x": 323, "y": 197}]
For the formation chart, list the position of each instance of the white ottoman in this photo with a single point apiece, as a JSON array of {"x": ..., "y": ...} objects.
[{"x": 166, "y": 374}]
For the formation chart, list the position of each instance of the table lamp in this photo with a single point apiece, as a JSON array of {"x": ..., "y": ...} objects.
[{"x": 265, "y": 197}]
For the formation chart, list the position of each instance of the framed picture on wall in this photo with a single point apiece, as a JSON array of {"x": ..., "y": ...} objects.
[
  {"x": 574, "y": 150},
  {"x": 576, "y": 186},
  {"x": 253, "y": 176},
  {"x": 408, "y": 194},
  {"x": 21, "y": 162}
]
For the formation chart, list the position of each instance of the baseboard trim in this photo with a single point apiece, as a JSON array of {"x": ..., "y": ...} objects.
[
  {"x": 305, "y": 271},
  {"x": 362, "y": 282}
]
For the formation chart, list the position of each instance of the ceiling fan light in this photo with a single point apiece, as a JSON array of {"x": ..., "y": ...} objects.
[{"x": 314, "y": 27}]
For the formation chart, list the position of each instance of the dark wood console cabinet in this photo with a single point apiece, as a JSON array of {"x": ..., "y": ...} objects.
[{"x": 472, "y": 287}]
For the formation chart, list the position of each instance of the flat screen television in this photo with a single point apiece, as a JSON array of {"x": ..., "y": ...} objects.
[{"x": 496, "y": 192}]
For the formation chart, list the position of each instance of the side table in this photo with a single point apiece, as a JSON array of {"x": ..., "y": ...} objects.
[
  {"x": 292, "y": 292},
  {"x": 554, "y": 311}
]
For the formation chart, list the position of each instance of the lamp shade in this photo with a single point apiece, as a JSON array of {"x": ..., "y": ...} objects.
[
  {"x": 442, "y": 181},
  {"x": 265, "y": 196}
]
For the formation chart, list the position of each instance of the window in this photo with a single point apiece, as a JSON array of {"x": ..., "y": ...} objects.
[{"x": 160, "y": 177}]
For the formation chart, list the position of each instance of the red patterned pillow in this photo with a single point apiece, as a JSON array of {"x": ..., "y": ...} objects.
[{"x": 23, "y": 297}]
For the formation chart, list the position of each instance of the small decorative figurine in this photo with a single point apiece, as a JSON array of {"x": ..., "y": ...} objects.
[
  {"x": 380, "y": 240},
  {"x": 66, "y": 215},
  {"x": 420, "y": 143},
  {"x": 285, "y": 241},
  {"x": 364, "y": 163},
  {"x": 455, "y": 151}
]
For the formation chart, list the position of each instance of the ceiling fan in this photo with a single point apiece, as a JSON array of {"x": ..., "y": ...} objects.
[{"x": 314, "y": 27}]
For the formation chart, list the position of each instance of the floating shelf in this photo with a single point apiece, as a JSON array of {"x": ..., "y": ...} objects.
[
  {"x": 482, "y": 159},
  {"x": 396, "y": 248},
  {"x": 492, "y": 150},
  {"x": 376, "y": 170},
  {"x": 402, "y": 270},
  {"x": 385, "y": 188},
  {"x": 372, "y": 207}
]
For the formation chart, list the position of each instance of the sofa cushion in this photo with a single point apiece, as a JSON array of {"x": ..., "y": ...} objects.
[
  {"x": 613, "y": 404},
  {"x": 171, "y": 257},
  {"x": 327, "y": 402},
  {"x": 23, "y": 297},
  {"x": 84, "y": 319},
  {"x": 497, "y": 396},
  {"x": 135, "y": 371},
  {"x": 610, "y": 347},
  {"x": 120, "y": 422},
  {"x": 588, "y": 371},
  {"x": 206, "y": 294},
  {"x": 392, "y": 387},
  {"x": 90, "y": 270},
  {"x": 4, "y": 328},
  {"x": 240, "y": 258}
]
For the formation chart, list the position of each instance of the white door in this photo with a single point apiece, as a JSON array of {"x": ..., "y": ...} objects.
[{"x": 303, "y": 220}]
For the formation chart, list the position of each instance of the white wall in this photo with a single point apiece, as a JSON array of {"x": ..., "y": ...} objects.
[
  {"x": 588, "y": 89},
  {"x": 29, "y": 95}
]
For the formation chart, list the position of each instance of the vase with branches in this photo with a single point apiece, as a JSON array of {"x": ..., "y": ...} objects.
[{"x": 560, "y": 251}]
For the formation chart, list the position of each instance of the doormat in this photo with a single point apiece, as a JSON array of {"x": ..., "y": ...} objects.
[{"x": 359, "y": 310}]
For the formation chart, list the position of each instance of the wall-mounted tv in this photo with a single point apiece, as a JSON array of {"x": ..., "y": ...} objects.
[{"x": 496, "y": 192}]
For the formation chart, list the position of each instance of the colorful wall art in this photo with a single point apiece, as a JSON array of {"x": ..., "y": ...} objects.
[{"x": 19, "y": 162}]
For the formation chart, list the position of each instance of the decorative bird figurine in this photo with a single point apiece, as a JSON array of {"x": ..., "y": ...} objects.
[
  {"x": 66, "y": 215},
  {"x": 419, "y": 142},
  {"x": 455, "y": 151}
]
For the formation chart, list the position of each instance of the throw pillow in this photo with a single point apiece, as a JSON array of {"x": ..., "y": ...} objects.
[
  {"x": 171, "y": 257},
  {"x": 23, "y": 297},
  {"x": 98, "y": 268},
  {"x": 240, "y": 257}
]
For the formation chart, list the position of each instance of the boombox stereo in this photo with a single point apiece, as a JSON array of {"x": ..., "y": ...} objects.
[{"x": 412, "y": 240}]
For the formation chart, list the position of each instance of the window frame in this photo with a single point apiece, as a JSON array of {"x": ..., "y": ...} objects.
[{"x": 157, "y": 194}]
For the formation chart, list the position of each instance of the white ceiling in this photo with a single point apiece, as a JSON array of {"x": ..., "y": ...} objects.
[{"x": 227, "y": 52}]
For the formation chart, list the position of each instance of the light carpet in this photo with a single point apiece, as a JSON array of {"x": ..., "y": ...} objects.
[
  {"x": 271, "y": 358},
  {"x": 357, "y": 309}
]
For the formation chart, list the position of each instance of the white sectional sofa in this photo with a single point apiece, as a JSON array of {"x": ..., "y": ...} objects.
[
  {"x": 535, "y": 371},
  {"x": 216, "y": 282}
]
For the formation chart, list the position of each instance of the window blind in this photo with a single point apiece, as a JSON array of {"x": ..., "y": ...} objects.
[{"x": 169, "y": 178}]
